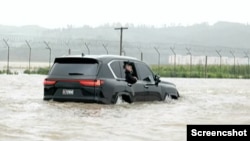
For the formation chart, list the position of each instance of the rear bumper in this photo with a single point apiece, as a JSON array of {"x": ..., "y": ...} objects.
[{"x": 78, "y": 99}]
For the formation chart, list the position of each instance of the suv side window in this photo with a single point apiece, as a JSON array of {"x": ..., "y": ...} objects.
[
  {"x": 116, "y": 68},
  {"x": 133, "y": 68},
  {"x": 122, "y": 69},
  {"x": 144, "y": 71}
]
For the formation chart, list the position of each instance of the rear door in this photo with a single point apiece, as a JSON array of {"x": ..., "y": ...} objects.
[
  {"x": 75, "y": 78},
  {"x": 152, "y": 91},
  {"x": 137, "y": 89}
]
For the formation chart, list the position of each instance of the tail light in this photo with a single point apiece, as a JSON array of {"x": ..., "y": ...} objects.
[
  {"x": 91, "y": 83},
  {"x": 49, "y": 82}
]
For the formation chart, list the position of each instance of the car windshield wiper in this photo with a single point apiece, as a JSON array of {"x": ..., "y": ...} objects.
[{"x": 75, "y": 73}]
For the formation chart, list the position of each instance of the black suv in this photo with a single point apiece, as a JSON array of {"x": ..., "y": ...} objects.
[{"x": 101, "y": 79}]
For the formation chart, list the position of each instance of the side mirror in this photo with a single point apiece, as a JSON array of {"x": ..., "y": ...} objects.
[
  {"x": 149, "y": 79},
  {"x": 157, "y": 79}
]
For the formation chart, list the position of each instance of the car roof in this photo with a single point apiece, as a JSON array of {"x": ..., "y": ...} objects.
[{"x": 101, "y": 57}]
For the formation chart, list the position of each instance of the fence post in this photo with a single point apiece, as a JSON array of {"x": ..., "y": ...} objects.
[
  {"x": 218, "y": 52},
  {"x": 140, "y": 53},
  {"x": 205, "y": 66},
  {"x": 8, "y": 57},
  {"x": 87, "y": 46},
  {"x": 234, "y": 63},
  {"x": 159, "y": 57},
  {"x": 172, "y": 49},
  {"x": 247, "y": 56},
  {"x": 105, "y": 47},
  {"x": 28, "y": 44},
  {"x": 190, "y": 67},
  {"x": 49, "y": 48}
]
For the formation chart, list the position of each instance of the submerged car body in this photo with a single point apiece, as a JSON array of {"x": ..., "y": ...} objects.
[{"x": 101, "y": 79}]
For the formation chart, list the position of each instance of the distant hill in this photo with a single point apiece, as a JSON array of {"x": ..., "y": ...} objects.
[
  {"x": 199, "y": 36},
  {"x": 221, "y": 33}
]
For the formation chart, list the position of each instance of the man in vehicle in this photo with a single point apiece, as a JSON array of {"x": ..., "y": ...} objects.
[{"x": 129, "y": 76}]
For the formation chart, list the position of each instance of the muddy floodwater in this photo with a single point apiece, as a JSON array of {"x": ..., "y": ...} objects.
[{"x": 24, "y": 116}]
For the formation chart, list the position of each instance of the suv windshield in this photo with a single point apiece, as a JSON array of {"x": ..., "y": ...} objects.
[{"x": 74, "y": 66}]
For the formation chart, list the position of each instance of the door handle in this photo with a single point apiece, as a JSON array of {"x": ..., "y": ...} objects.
[
  {"x": 145, "y": 86},
  {"x": 129, "y": 85}
]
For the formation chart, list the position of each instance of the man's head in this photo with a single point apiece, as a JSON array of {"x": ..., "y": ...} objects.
[{"x": 128, "y": 66}]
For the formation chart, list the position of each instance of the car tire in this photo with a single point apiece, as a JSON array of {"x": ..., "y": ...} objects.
[{"x": 46, "y": 99}]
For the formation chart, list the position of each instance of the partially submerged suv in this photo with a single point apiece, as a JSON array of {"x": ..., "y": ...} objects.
[{"x": 101, "y": 79}]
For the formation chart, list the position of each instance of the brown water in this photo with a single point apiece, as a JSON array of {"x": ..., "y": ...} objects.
[{"x": 24, "y": 116}]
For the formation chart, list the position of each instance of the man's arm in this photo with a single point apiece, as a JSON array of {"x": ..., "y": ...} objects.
[{"x": 130, "y": 79}]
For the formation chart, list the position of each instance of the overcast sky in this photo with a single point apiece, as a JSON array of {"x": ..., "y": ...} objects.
[{"x": 60, "y": 13}]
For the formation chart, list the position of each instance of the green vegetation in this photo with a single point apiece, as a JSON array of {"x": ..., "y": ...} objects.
[
  {"x": 2, "y": 72},
  {"x": 199, "y": 71},
  {"x": 9, "y": 72},
  {"x": 38, "y": 71},
  {"x": 182, "y": 71}
]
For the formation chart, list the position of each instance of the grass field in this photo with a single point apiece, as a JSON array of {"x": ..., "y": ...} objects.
[
  {"x": 181, "y": 71},
  {"x": 200, "y": 71}
]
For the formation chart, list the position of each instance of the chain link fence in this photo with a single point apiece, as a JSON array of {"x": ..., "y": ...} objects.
[{"x": 30, "y": 53}]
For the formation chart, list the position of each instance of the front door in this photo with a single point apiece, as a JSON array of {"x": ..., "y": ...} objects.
[
  {"x": 138, "y": 90},
  {"x": 152, "y": 91}
]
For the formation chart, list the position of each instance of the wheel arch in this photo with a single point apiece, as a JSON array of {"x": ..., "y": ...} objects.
[
  {"x": 170, "y": 91},
  {"x": 125, "y": 96}
]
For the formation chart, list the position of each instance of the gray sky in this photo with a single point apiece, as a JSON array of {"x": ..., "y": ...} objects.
[{"x": 60, "y": 13}]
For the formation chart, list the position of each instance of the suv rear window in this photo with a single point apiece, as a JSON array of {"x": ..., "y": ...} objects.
[
  {"x": 115, "y": 66},
  {"x": 74, "y": 66}
]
